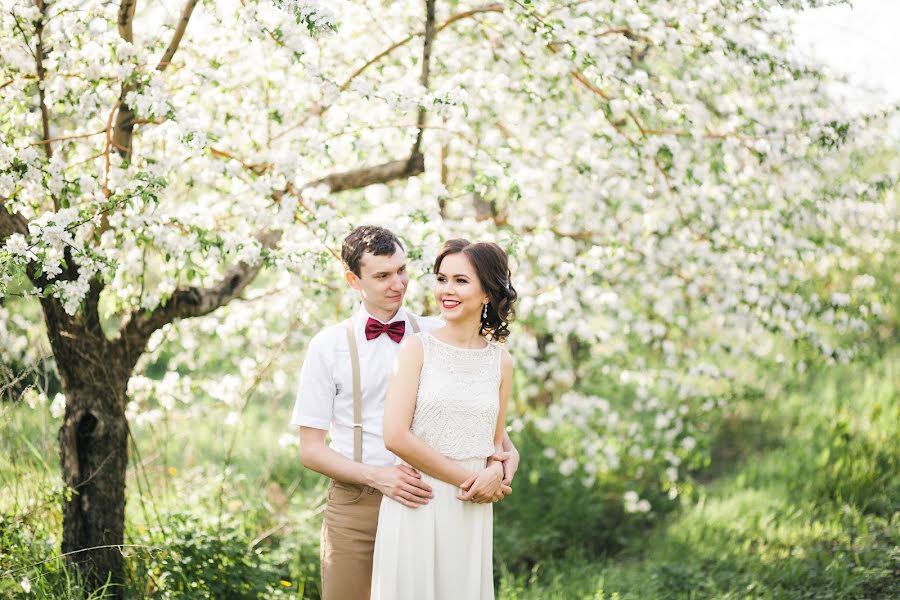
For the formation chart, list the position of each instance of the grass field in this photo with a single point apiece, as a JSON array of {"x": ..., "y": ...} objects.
[{"x": 806, "y": 507}]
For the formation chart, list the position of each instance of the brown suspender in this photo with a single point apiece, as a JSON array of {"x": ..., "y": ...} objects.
[
  {"x": 357, "y": 393},
  {"x": 357, "y": 388}
]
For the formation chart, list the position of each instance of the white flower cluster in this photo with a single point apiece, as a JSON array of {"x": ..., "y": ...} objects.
[
  {"x": 315, "y": 14},
  {"x": 634, "y": 504}
]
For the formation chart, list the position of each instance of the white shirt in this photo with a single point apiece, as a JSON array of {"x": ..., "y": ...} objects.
[{"x": 325, "y": 395}]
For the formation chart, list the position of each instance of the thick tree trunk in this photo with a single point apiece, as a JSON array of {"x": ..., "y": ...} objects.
[{"x": 93, "y": 442}]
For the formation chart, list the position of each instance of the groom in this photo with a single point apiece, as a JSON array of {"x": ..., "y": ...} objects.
[{"x": 342, "y": 387}]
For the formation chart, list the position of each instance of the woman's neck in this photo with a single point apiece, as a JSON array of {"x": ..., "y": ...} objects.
[{"x": 466, "y": 334}]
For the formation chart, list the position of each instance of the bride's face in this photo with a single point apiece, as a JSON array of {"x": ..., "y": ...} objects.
[{"x": 457, "y": 289}]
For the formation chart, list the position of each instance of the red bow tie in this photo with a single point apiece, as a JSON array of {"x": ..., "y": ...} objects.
[{"x": 394, "y": 330}]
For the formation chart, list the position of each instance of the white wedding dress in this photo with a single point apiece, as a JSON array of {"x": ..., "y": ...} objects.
[{"x": 443, "y": 550}]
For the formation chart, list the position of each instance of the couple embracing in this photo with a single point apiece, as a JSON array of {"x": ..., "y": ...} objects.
[{"x": 415, "y": 407}]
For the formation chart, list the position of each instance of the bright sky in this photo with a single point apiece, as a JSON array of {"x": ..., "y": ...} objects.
[{"x": 860, "y": 41}]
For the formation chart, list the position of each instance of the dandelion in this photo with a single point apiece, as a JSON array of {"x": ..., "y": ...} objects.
[
  {"x": 284, "y": 583},
  {"x": 173, "y": 471}
]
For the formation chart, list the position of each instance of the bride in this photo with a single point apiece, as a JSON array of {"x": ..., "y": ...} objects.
[{"x": 444, "y": 415}]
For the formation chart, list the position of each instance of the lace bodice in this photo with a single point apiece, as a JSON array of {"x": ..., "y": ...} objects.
[{"x": 458, "y": 399}]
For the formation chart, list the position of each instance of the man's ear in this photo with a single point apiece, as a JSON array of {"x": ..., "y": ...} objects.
[{"x": 352, "y": 279}]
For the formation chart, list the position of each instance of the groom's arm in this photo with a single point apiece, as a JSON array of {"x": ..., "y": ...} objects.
[
  {"x": 313, "y": 413},
  {"x": 510, "y": 458},
  {"x": 398, "y": 482}
]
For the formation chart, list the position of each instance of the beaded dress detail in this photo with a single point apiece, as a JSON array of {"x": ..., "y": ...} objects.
[
  {"x": 443, "y": 550},
  {"x": 458, "y": 398}
]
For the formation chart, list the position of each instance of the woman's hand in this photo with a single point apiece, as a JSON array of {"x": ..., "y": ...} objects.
[{"x": 485, "y": 486}]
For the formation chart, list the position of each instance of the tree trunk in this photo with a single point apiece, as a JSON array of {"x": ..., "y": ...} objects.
[{"x": 93, "y": 442}]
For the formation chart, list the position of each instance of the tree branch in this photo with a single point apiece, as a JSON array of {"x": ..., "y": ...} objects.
[
  {"x": 179, "y": 33},
  {"x": 69, "y": 137},
  {"x": 348, "y": 180},
  {"x": 11, "y": 223},
  {"x": 195, "y": 302},
  {"x": 383, "y": 173},
  {"x": 126, "y": 16},
  {"x": 319, "y": 110},
  {"x": 495, "y": 7},
  {"x": 190, "y": 302},
  {"x": 41, "y": 75},
  {"x": 121, "y": 136},
  {"x": 426, "y": 70}
]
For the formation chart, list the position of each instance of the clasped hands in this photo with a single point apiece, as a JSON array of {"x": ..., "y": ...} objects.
[
  {"x": 404, "y": 484},
  {"x": 491, "y": 483}
]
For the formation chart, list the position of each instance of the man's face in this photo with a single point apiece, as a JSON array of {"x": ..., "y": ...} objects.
[{"x": 382, "y": 282}]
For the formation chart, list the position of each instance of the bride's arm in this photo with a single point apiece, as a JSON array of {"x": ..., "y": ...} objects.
[
  {"x": 399, "y": 405},
  {"x": 506, "y": 372}
]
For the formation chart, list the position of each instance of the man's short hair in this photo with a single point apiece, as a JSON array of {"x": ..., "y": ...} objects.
[{"x": 367, "y": 238}]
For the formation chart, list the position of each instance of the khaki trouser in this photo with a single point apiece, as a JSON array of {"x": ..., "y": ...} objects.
[{"x": 348, "y": 541}]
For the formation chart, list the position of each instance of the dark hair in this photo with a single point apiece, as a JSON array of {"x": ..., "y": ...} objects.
[
  {"x": 367, "y": 238},
  {"x": 492, "y": 267}
]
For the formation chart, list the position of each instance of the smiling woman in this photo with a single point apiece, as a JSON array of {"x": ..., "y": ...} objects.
[
  {"x": 472, "y": 278},
  {"x": 445, "y": 415}
]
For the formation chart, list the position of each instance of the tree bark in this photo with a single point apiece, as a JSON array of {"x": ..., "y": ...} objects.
[
  {"x": 93, "y": 442},
  {"x": 94, "y": 453}
]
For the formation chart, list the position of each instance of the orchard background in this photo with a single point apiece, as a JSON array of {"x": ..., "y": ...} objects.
[{"x": 703, "y": 236}]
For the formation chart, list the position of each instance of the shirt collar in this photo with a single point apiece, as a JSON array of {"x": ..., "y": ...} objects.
[{"x": 362, "y": 316}]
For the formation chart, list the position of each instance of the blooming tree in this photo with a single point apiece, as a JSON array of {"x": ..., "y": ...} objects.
[{"x": 667, "y": 179}]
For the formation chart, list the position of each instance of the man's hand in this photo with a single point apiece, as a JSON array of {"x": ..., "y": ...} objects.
[
  {"x": 485, "y": 486},
  {"x": 510, "y": 461},
  {"x": 403, "y": 484}
]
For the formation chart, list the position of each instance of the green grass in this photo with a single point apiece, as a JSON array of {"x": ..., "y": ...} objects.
[{"x": 807, "y": 509}]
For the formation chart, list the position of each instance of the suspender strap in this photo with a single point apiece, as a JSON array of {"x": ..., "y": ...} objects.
[
  {"x": 357, "y": 393},
  {"x": 357, "y": 390}
]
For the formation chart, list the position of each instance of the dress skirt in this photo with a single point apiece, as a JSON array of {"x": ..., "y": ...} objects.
[{"x": 440, "y": 551}]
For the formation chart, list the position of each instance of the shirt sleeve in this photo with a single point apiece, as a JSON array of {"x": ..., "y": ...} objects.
[{"x": 314, "y": 405}]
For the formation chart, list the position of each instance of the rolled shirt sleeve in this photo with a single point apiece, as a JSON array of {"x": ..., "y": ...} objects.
[{"x": 314, "y": 404}]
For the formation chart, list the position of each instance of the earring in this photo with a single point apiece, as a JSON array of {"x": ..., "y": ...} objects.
[{"x": 484, "y": 314}]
